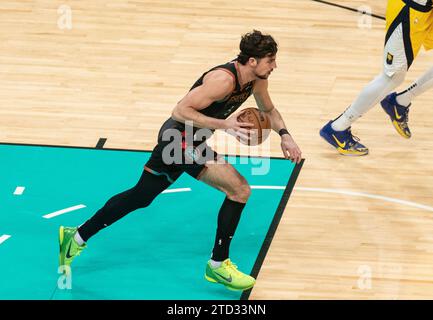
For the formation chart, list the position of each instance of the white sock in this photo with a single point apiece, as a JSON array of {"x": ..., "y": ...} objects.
[
  {"x": 421, "y": 85},
  {"x": 78, "y": 239},
  {"x": 215, "y": 264},
  {"x": 375, "y": 91}
]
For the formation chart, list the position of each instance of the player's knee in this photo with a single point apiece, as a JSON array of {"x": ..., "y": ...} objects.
[
  {"x": 241, "y": 193},
  {"x": 395, "y": 78}
]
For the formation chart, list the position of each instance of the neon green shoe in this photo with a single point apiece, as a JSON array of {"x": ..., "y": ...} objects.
[
  {"x": 69, "y": 248},
  {"x": 229, "y": 275}
]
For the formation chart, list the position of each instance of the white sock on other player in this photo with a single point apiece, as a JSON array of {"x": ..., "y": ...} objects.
[
  {"x": 420, "y": 86},
  {"x": 374, "y": 92}
]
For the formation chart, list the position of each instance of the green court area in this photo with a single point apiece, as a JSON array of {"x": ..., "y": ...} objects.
[{"x": 159, "y": 252}]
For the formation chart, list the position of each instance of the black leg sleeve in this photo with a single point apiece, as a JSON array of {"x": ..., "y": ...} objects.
[
  {"x": 228, "y": 220},
  {"x": 148, "y": 187}
]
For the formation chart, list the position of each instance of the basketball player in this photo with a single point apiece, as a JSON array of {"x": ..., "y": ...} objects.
[
  {"x": 215, "y": 95},
  {"x": 409, "y": 26}
]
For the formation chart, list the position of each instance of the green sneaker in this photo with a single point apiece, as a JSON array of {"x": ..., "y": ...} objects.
[
  {"x": 69, "y": 248},
  {"x": 229, "y": 275}
]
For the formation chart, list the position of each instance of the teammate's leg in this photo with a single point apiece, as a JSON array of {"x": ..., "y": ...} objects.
[
  {"x": 72, "y": 240},
  {"x": 224, "y": 177}
]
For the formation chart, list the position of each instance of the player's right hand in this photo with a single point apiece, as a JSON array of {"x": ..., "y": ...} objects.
[{"x": 238, "y": 129}]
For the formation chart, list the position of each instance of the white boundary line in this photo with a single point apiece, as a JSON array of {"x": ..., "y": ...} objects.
[
  {"x": 322, "y": 190},
  {"x": 81, "y": 206},
  {"x": 269, "y": 187},
  {"x": 19, "y": 191},
  {"x": 352, "y": 193},
  {"x": 4, "y": 237},
  {"x": 60, "y": 212},
  {"x": 177, "y": 190}
]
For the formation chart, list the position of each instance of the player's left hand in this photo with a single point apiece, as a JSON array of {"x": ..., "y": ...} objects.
[{"x": 290, "y": 149}]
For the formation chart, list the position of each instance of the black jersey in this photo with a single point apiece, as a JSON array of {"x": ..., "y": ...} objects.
[{"x": 218, "y": 109}]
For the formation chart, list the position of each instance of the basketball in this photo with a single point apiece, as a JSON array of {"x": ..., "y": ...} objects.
[{"x": 261, "y": 122}]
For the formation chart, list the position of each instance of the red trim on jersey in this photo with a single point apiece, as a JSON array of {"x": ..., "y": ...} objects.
[
  {"x": 230, "y": 73},
  {"x": 239, "y": 75}
]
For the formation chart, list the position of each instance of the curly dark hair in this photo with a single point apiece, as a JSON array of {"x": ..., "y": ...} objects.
[{"x": 256, "y": 45}]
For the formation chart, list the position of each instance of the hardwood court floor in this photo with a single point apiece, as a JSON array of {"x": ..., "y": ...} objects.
[{"x": 123, "y": 65}]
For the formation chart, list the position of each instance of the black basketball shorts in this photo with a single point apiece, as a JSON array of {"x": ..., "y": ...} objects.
[{"x": 174, "y": 157}]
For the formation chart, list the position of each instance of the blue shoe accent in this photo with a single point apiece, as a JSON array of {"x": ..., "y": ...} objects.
[
  {"x": 398, "y": 114},
  {"x": 345, "y": 143}
]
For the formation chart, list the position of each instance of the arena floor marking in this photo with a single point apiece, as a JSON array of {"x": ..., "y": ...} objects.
[
  {"x": 63, "y": 211},
  {"x": 4, "y": 237},
  {"x": 367, "y": 195},
  {"x": 159, "y": 252}
]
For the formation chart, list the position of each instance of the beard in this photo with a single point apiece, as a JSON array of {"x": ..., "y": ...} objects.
[{"x": 263, "y": 76}]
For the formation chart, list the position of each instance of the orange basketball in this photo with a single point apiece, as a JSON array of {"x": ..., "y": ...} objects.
[{"x": 261, "y": 122}]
